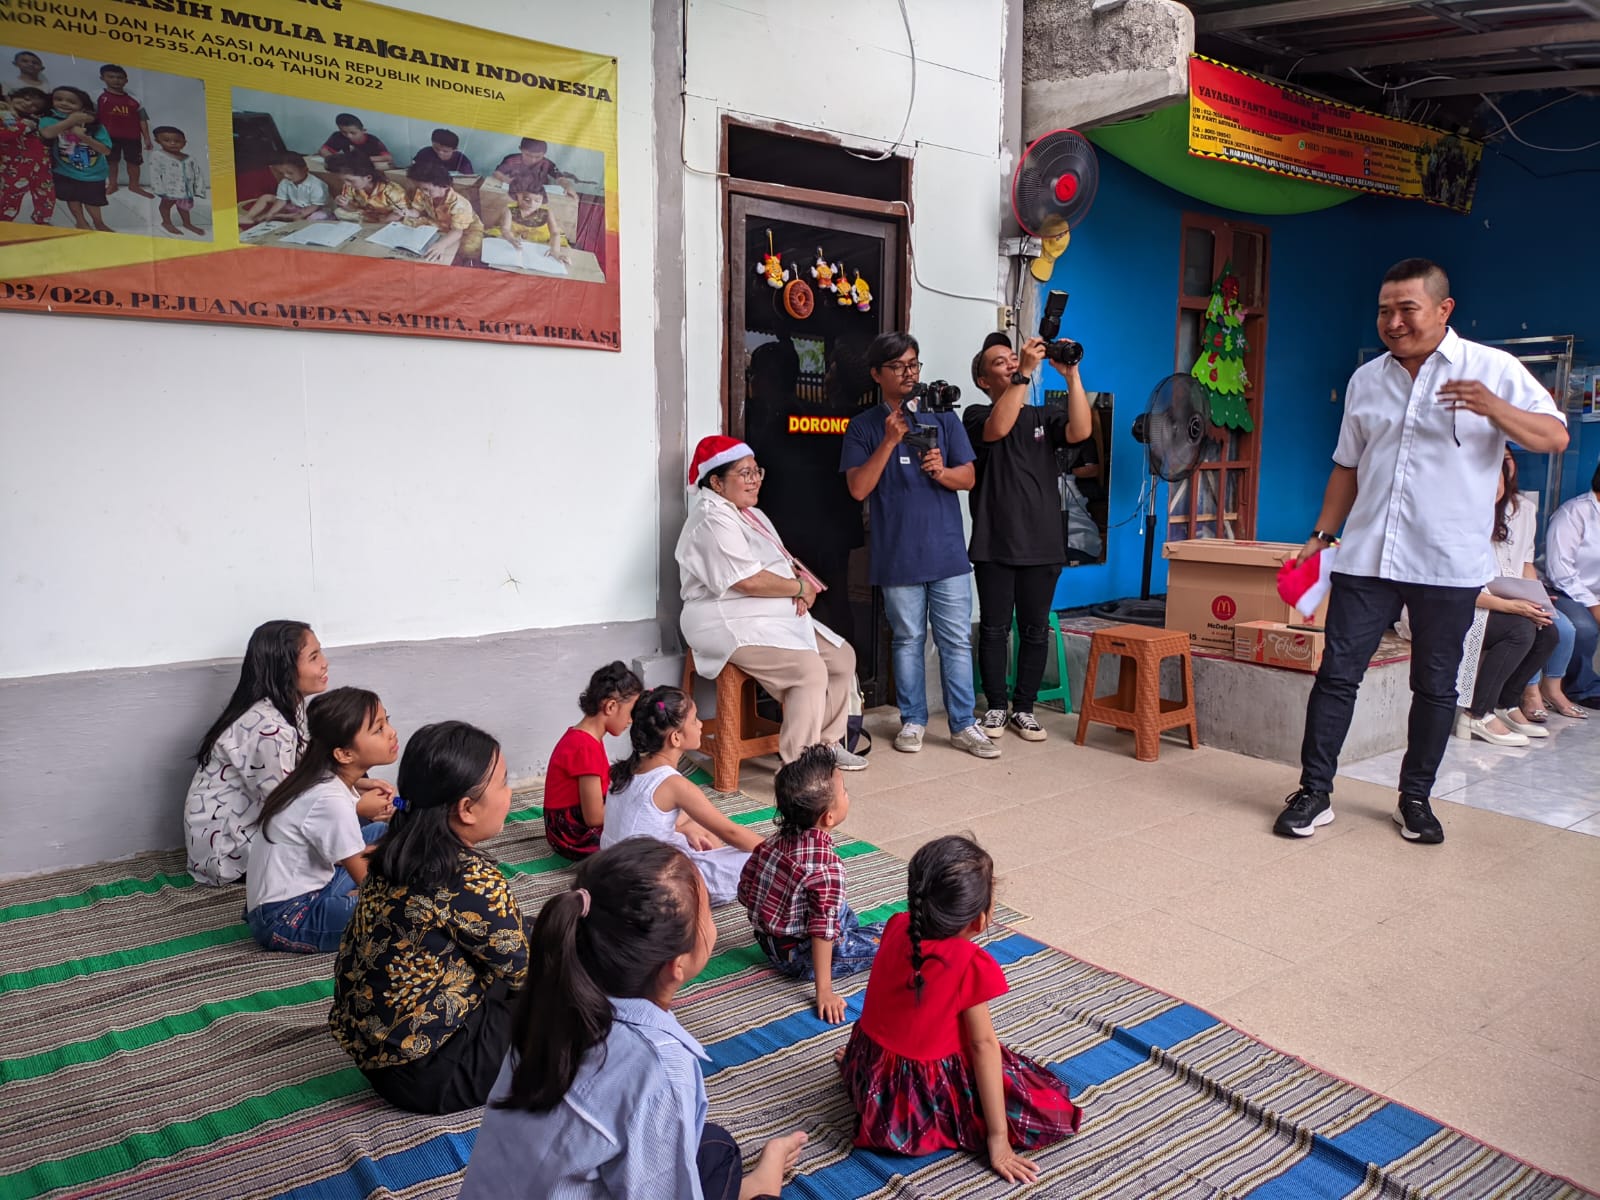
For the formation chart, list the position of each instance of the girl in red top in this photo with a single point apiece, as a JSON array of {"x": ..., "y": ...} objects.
[
  {"x": 575, "y": 785},
  {"x": 923, "y": 1065}
]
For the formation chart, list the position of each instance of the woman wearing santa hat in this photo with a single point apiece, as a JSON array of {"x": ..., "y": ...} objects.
[{"x": 747, "y": 600}]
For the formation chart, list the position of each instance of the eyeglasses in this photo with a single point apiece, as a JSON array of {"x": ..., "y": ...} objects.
[
  {"x": 750, "y": 474},
  {"x": 902, "y": 368}
]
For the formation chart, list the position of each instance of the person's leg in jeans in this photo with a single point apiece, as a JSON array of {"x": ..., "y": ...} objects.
[
  {"x": 1555, "y": 667},
  {"x": 1036, "y": 591},
  {"x": 950, "y": 610},
  {"x": 718, "y": 1163},
  {"x": 1360, "y": 611},
  {"x": 907, "y": 610},
  {"x": 1440, "y": 618},
  {"x": 996, "y": 603},
  {"x": 1507, "y": 638},
  {"x": 1581, "y": 681},
  {"x": 1544, "y": 640}
]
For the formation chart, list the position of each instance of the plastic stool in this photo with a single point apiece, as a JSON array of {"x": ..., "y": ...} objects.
[
  {"x": 737, "y": 731},
  {"x": 1137, "y": 704},
  {"x": 1062, "y": 691}
]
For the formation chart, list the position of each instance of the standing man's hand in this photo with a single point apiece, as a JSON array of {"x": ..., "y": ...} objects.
[
  {"x": 1313, "y": 546},
  {"x": 933, "y": 463},
  {"x": 894, "y": 427},
  {"x": 1033, "y": 353},
  {"x": 1471, "y": 395}
]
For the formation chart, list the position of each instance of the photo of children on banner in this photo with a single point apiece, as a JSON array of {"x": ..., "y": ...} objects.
[
  {"x": 436, "y": 210},
  {"x": 80, "y": 147}
]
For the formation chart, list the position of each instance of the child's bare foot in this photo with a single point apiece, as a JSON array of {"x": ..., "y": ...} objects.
[
  {"x": 139, "y": 191},
  {"x": 778, "y": 1158},
  {"x": 193, "y": 228},
  {"x": 100, "y": 224},
  {"x": 171, "y": 228},
  {"x": 838, "y": 1056},
  {"x": 111, "y": 187}
]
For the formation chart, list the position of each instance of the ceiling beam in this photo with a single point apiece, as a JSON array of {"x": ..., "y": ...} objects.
[
  {"x": 1459, "y": 46},
  {"x": 1288, "y": 12},
  {"x": 1528, "y": 81}
]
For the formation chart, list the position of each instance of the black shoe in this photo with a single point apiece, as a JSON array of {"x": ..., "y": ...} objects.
[
  {"x": 1417, "y": 822},
  {"x": 1589, "y": 702},
  {"x": 1304, "y": 812}
]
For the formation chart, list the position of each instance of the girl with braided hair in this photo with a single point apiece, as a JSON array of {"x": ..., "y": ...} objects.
[
  {"x": 651, "y": 798},
  {"x": 923, "y": 1065}
]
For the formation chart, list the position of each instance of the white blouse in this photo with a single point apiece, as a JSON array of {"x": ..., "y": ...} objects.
[
  {"x": 1511, "y": 555},
  {"x": 717, "y": 549}
]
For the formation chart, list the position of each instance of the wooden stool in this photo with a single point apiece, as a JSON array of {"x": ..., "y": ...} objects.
[
  {"x": 738, "y": 731},
  {"x": 1137, "y": 704}
]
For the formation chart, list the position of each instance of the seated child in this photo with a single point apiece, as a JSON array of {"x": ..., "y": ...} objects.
[
  {"x": 423, "y": 984},
  {"x": 575, "y": 785},
  {"x": 251, "y": 748},
  {"x": 527, "y": 217},
  {"x": 436, "y": 202},
  {"x": 446, "y": 147},
  {"x": 793, "y": 885},
  {"x": 601, "y": 1093},
  {"x": 176, "y": 177},
  {"x": 367, "y": 195},
  {"x": 26, "y": 157},
  {"x": 310, "y": 851},
  {"x": 531, "y": 159},
  {"x": 352, "y": 138},
  {"x": 923, "y": 1064},
  {"x": 650, "y": 798},
  {"x": 79, "y": 146},
  {"x": 300, "y": 196}
]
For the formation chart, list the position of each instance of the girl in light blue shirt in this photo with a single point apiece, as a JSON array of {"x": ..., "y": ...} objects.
[{"x": 601, "y": 1094}]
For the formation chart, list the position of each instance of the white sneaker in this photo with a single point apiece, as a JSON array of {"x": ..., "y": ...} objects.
[
  {"x": 909, "y": 739},
  {"x": 993, "y": 723},
  {"x": 1478, "y": 727},
  {"x": 975, "y": 742},
  {"x": 1520, "y": 724},
  {"x": 1026, "y": 728},
  {"x": 847, "y": 761}
]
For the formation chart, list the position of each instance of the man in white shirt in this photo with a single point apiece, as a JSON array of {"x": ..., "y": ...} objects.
[
  {"x": 1413, "y": 484},
  {"x": 1572, "y": 564}
]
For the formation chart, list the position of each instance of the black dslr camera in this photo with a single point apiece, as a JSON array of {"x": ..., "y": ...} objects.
[
  {"x": 937, "y": 396},
  {"x": 1064, "y": 352}
]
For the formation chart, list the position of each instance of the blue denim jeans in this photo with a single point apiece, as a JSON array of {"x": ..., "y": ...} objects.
[
  {"x": 853, "y": 950},
  {"x": 1556, "y": 665},
  {"x": 1582, "y": 683},
  {"x": 947, "y": 603},
  {"x": 313, "y": 923}
]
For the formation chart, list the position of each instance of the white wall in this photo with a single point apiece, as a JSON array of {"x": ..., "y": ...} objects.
[
  {"x": 845, "y": 66},
  {"x": 165, "y": 486}
]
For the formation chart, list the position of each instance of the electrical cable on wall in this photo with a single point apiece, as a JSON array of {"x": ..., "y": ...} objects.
[
  {"x": 911, "y": 101},
  {"x": 1530, "y": 145}
]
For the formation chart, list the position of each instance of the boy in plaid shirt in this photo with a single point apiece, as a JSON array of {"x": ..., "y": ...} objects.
[{"x": 793, "y": 885}]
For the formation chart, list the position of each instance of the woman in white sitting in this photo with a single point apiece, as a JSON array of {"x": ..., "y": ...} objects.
[{"x": 747, "y": 600}]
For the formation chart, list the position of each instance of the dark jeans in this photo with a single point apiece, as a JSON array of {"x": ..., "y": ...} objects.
[
  {"x": 1027, "y": 592},
  {"x": 460, "y": 1073},
  {"x": 1360, "y": 611},
  {"x": 718, "y": 1164},
  {"x": 1581, "y": 682},
  {"x": 1513, "y": 650}
]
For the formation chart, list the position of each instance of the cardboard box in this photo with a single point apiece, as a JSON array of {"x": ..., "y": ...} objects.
[
  {"x": 1212, "y": 584},
  {"x": 1274, "y": 644}
]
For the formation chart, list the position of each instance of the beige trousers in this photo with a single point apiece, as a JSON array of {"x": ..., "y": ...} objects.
[{"x": 814, "y": 690}]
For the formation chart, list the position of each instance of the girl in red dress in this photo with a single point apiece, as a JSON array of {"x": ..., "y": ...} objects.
[
  {"x": 579, "y": 776},
  {"x": 923, "y": 1065}
]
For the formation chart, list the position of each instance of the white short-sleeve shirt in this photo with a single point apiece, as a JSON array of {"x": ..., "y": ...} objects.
[
  {"x": 317, "y": 831},
  {"x": 1424, "y": 510},
  {"x": 1572, "y": 549},
  {"x": 310, "y": 192}
]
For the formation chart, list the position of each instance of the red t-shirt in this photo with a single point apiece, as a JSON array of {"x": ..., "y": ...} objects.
[
  {"x": 956, "y": 974},
  {"x": 120, "y": 115},
  {"x": 575, "y": 755}
]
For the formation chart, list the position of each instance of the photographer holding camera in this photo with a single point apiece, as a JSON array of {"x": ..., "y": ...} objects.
[
  {"x": 1018, "y": 537},
  {"x": 910, "y": 465}
]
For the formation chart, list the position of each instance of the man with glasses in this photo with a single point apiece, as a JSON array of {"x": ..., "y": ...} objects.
[
  {"x": 1413, "y": 484},
  {"x": 919, "y": 556}
]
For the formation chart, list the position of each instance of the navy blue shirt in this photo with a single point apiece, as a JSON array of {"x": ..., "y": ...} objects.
[{"x": 916, "y": 523}]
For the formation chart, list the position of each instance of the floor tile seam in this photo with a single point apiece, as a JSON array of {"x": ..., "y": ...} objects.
[{"x": 1184, "y": 919}]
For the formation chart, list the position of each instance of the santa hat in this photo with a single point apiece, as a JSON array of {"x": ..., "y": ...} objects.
[
  {"x": 713, "y": 452},
  {"x": 1305, "y": 584}
]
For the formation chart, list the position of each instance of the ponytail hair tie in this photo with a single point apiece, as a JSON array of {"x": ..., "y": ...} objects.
[
  {"x": 398, "y": 803},
  {"x": 661, "y": 706},
  {"x": 583, "y": 894}
]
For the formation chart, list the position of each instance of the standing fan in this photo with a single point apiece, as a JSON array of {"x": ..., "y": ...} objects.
[
  {"x": 1055, "y": 183},
  {"x": 1172, "y": 429}
]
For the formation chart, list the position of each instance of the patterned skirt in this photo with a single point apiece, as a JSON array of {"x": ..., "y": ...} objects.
[
  {"x": 918, "y": 1106},
  {"x": 567, "y": 834}
]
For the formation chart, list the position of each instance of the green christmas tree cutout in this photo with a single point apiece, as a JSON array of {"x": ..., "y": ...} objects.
[{"x": 1220, "y": 367}]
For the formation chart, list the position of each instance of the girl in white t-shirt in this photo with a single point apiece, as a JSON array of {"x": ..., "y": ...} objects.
[{"x": 309, "y": 855}]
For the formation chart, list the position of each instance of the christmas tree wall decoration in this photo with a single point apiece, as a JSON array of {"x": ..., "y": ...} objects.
[{"x": 1220, "y": 367}]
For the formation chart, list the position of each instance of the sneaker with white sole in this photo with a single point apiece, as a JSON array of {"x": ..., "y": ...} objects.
[
  {"x": 1417, "y": 823},
  {"x": 847, "y": 761},
  {"x": 1303, "y": 813},
  {"x": 975, "y": 742},
  {"x": 993, "y": 723},
  {"x": 1026, "y": 728},
  {"x": 909, "y": 739}
]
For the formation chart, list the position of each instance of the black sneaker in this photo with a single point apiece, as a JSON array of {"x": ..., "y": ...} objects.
[
  {"x": 1304, "y": 811},
  {"x": 1417, "y": 822}
]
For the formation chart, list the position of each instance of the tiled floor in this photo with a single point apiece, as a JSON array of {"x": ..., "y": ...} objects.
[
  {"x": 1463, "y": 979},
  {"x": 1554, "y": 780}
]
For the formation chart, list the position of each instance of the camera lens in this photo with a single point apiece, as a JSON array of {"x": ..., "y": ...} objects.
[{"x": 1064, "y": 352}]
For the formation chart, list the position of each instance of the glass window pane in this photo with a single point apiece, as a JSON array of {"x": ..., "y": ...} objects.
[
  {"x": 1189, "y": 326},
  {"x": 1198, "y": 252},
  {"x": 1249, "y": 260}
]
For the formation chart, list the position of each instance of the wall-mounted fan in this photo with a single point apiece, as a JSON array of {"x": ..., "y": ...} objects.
[{"x": 1052, "y": 191}]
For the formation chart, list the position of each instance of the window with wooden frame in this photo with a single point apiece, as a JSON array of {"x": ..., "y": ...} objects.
[{"x": 1219, "y": 499}]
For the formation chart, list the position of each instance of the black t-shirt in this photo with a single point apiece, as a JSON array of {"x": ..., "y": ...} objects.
[{"x": 1016, "y": 502}]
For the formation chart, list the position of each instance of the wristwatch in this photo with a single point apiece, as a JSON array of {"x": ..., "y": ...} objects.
[
  {"x": 1017, "y": 377},
  {"x": 1327, "y": 539}
]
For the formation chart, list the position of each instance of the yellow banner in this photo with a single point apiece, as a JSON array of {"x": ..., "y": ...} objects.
[{"x": 324, "y": 164}]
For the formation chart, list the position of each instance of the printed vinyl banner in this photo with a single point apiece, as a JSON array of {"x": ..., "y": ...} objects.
[
  {"x": 315, "y": 164},
  {"x": 1242, "y": 118}
]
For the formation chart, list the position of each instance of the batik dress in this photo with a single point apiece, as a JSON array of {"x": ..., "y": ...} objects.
[{"x": 25, "y": 157}]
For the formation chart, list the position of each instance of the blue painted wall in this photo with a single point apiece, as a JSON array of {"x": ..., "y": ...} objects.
[{"x": 1526, "y": 260}]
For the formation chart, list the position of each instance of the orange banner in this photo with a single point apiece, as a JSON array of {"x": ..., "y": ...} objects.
[
  {"x": 335, "y": 165},
  {"x": 1242, "y": 118}
]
